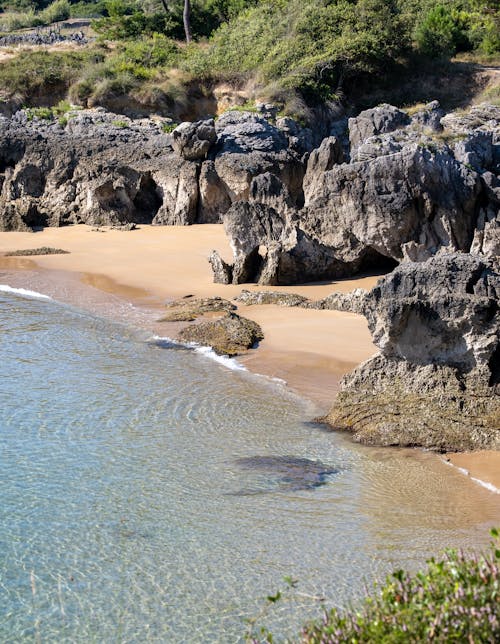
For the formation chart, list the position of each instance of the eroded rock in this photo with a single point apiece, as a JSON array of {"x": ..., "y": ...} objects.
[
  {"x": 189, "y": 308},
  {"x": 436, "y": 382},
  {"x": 229, "y": 335}
]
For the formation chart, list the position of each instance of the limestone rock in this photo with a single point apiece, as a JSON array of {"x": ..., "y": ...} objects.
[
  {"x": 229, "y": 335},
  {"x": 190, "y": 308},
  {"x": 353, "y": 302},
  {"x": 408, "y": 205},
  {"x": 321, "y": 160},
  {"x": 250, "y": 298},
  {"x": 192, "y": 141},
  {"x": 476, "y": 150},
  {"x": 223, "y": 272},
  {"x": 429, "y": 117},
  {"x": 436, "y": 382},
  {"x": 378, "y": 120},
  {"x": 214, "y": 199}
]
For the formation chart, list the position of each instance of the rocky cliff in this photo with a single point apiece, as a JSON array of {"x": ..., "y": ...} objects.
[
  {"x": 436, "y": 380},
  {"x": 381, "y": 189}
]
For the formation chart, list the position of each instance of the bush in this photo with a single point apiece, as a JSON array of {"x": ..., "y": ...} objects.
[
  {"x": 456, "y": 600},
  {"x": 442, "y": 32},
  {"x": 58, "y": 10}
]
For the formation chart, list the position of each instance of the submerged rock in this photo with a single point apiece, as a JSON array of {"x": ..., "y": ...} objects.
[
  {"x": 229, "y": 335},
  {"x": 436, "y": 382},
  {"x": 286, "y": 473}
]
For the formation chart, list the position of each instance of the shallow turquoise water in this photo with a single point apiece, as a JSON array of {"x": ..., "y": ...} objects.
[{"x": 127, "y": 516}]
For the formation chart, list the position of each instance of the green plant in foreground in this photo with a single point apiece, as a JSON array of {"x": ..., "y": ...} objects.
[{"x": 457, "y": 599}]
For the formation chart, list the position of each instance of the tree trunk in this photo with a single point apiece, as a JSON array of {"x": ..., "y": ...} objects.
[{"x": 186, "y": 16}]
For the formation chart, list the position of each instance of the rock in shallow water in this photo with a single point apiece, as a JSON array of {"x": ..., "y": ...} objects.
[
  {"x": 229, "y": 335},
  {"x": 286, "y": 473}
]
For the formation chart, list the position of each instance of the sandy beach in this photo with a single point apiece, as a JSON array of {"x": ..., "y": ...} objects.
[{"x": 308, "y": 349}]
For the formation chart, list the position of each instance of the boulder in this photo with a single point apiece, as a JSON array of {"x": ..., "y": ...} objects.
[
  {"x": 377, "y": 120},
  {"x": 436, "y": 381},
  {"x": 229, "y": 335},
  {"x": 429, "y": 117},
  {"x": 192, "y": 141},
  {"x": 407, "y": 205}
]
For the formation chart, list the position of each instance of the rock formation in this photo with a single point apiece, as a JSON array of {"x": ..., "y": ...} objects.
[
  {"x": 189, "y": 308},
  {"x": 436, "y": 380},
  {"x": 403, "y": 191},
  {"x": 229, "y": 335}
]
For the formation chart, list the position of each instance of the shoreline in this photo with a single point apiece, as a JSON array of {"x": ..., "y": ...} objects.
[
  {"x": 144, "y": 266},
  {"x": 127, "y": 276}
]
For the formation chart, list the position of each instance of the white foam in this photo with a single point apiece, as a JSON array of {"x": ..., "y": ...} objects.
[
  {"x": 207, "y": 352},
  {"x": 226, "y": 361},
  {"x": 24, "y": 292},
  {"x": 462, "y": 470}
]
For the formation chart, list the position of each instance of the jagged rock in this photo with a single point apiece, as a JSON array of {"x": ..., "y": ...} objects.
[
  {"x": 250, "y": 298},
  {"x": 268, "y": 189},
  {"x": 97, "y": 170},
  {"x": 353, "y": 302},
  {"x": 478, "y": 117},
  {"x": 240, "y": 132},
  {"x": 192, "y": 141},
  {"x": 475, "y": 151},
  {"x": 189, "y": 308},
  {"x": 407, "y": 205},
  {"x": 378, "y": 120},
  {"x": 223, "y": 272},
  {"x": 487, "y": 233},
  {"x": 429, "y": 117},
  {"x": 214, "y": 200},
  {"x": 248, "y": 146},
  {"x": 321, "y": 160},
  {"x": 269, "y": 250},
  {"x": 300, "y": 139},
  {"x": 436, "y": 382},
  {"x": 229, "y": 335}
]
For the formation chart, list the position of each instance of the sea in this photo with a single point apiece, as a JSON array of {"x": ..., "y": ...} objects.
[{"x": 152, "y": 492}]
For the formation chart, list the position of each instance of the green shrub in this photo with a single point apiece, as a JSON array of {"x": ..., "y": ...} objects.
[
  {"x": 457, "y": 599},
  {"x": 58, "y": 10},
  {"x": 82, "y": 9},
  {"x": 442, "y": 32}
]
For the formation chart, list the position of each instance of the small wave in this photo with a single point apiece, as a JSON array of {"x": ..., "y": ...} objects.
[
  {"x": 465, "y": 472},
  {"x": 226, "y": 361},
  {"x": 23, "y": 292},
  {"x": 168, "y": 343}
]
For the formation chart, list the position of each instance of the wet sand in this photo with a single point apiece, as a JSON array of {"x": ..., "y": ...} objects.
[{"x": 481, "y": 466}]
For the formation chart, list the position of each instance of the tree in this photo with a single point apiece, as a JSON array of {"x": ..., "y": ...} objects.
[{"x": 186, "y": 18}]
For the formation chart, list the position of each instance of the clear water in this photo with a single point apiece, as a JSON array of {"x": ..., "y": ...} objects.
[{"x": 127, "y": 514}]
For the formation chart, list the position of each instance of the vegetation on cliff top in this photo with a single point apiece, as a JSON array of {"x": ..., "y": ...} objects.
[{"x": 315, "y": 50}]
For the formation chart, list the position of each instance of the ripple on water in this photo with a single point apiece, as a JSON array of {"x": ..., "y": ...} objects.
[{"x": 123, "y": 465}]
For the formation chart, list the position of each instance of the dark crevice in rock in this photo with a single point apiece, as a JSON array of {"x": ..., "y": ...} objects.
[
  {"x": 147, "y": 201},
  {"x": 494, "y": 367},
  {"x": 375, "y": 261}
]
